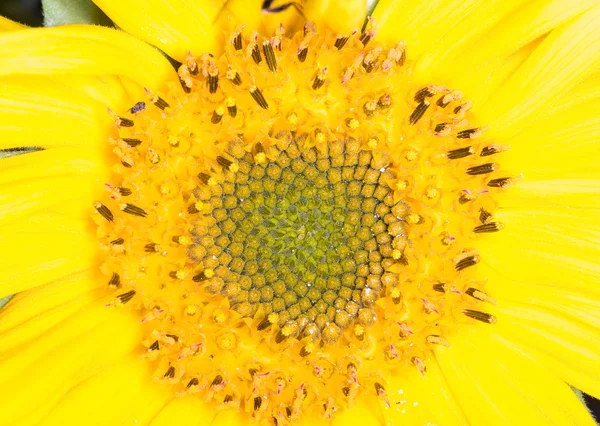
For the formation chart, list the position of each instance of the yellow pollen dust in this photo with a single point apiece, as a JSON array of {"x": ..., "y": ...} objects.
[{"x": 294, "y": 223}]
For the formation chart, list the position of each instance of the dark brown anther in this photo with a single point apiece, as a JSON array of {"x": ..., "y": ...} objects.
[
  {"x": 217, "y": 116},
  {"x": 346, "y": 390},
  {"x": 403, "y": 260},
  {"x": 264, "y": 324},
  {"x": 227, "y": 399},
  {"x": 185, "y": 83},
  {"x": 499, "y": 182},
  {"x": 440, "y": 127},
  {"x": 302, "y": 54},
  {"x": 172, "y": 336},
  {"x": 385, "y": 101},
  {"x": 368, "y": 66},
  {"x": 232, "y": 110},
  {"x": 224, "y": 162},
  {"x": 469, "y": 134},
  {"x": 132, "y": 142},
  {"x": 466, "y": 262},
  {"x": 423, "y": 93},
  {"x": 192, "y": 382},
  {"x": 204, "y": 178},
  {"x": 304, "y": 352},
  {"x": 258, "y": 97},
  {"x": 441, "y": 287},
  {"x": 140, "y": 106},
  {"x": 288, "y": 411},
  {"x": 252, "y": 372},
  {"x": 126, "y": 297},
  {"x": 133, "y": 210},
  {"x": 480, "y": 316},
  {"x": 125, "y": 192},
  {"x": 488, "y": 227},
  {"x": 418, "y": 112},
  {"x": 213, "y": 81},
  {"x": 280, "y": 337},
  {"x": 115, "y": 280},
  {"x": 192, "y": 209},
  {"x": 217, "y": 380},
  {"x": 151, "y": 248},
  {"x": 124, "y": 164},
  {"x": 237, "y": 80},
  {"x": 258, "y": 148},
  {"x": 318, "y": 82},
  {"x": 125, "y": 122},
  {"x": 256, "y": 54},
  {"x": 484, "y": 215},
  {"x": 444, "y": 100},
  {"x": 365, "y": 38},
  {"x": 379, "y": 388},
  {"x": 160, "y": 103},
  {"x": 257, "y": 402},
  {"x": 341, "y": 41},
  {"x": 170, "y": 373},
  {"x": 460, "y": 152},
  {"x": 237, "y": 41},
  {"x": 173, "y": 274},
  {"x": 154, "y": 346},
  {"x": 489, "y": 150},
  {"x": 465, "y": 198},
  {"x": 104, "y": 211},
  {"x": 476, "y": 294},
  {"x": 481, "y": 169},
  {"x": 270, "y": 56},
  {"x": 117, "y": 242},
  {"x": 200, "y": 277}
]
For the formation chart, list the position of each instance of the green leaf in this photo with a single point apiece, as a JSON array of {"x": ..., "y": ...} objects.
[{"x": 62, "y": 12}]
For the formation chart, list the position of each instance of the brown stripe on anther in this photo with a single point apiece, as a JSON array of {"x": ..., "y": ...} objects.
[
  {"x": 125, "y": 122},
  {"x": 484, "y": 215},
  {"x": 259, "y": 147},
  {"x": 160, "y": 103},
  {"x": 481, "y": 169},
  {"x": 302, "y": 54},
  {"x": 365, "y": 38},
  {"x": 257, "y": 402},
  {"x": 192, "y": 209},
  {"x": 232, "y": 110},
  {"x": 132, "y": 142},
  {"x": 480, "y": 316},
  {"x": 423, "y": 93},
  {"x": 418, "y": 112},
  {"x": 288, "y": 411},
  {"x": 317, "y": 83},
  {"x": 213, "y": 82},
  {"x": 264, "y": 324},
  {"x": 499, "y": 182},
  {"x": 228, "y": 398},
  {"x": 488, "y": 227},
  {"x": 270, "y": 56},
  {"x": 224, "y": 162},
  {"x": 441, "y": 287},
  {"x": 341, "y": 41},
  {"x": 126, "y": 297},
  {"x": 477, "y": 294},
  {"x": 117, "y": 242},
  {"x": 469, "y": 133},
  {"x": 460, "y": 152},
  {"x": 280, "y": 337},
  {"x": 444, "y": 100},
  {"x": 237, "y": 41},
  {"x": 125, "y": 192},
  {"x": 140, "y": 106},
  {"x": 256, "y": 54},
  {"x": 466, "y": 262},
  {"x": 258, "y": 97},
  {"x": 379, "y": 388},
  {"x": 184, "y": 84},
  {"x": 217, "y": 380},
  {"x": 304, "y": 352},
  {"x": 441, "y": 127},
  {"x": 193, "y": 382},
  {"x": 489, "y": 150},
  {"x": 204, "y": 178},
  {"x": 345, "y": 390},
  {"x": 199, "y": 277},
  {"x": 465, "y": 198},
  {"x": 170, "y": 373},
  {"x": 151, "y": 248},
  {"x": 216, "y": 117},
  {"x": 154, "y": 346},
  {"x": 172, "y": 336},
  {"x": 104, "y": 211},
  {"x": 115, "y": 280},
  {"x": 133, "y": 210}
]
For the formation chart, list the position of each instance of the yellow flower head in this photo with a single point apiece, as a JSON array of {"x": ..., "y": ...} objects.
[{"x": 316, "y": 218}]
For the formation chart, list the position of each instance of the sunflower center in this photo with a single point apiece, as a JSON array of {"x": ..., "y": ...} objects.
[{"x": 295, "y": 228}]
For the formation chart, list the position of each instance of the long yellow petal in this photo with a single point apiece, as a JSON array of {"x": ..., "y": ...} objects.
[
  {"x": 84, "y": 50},
  {"x": 107, "y": 89},
  {"x": 174, "y": 26},
  {"x": 496, "y": 385},
  {"x": 41, "y": 112},
  {"x": 188, "y": 411},
  {"x": 8, "y": 25},
  {"x": 45, "y": 248},
  {"x": 567, "y": 56},
  {"x": 42, "y": 371},
  {"x": 126, "y": 392},
  {"x": 341, "y": 16}
]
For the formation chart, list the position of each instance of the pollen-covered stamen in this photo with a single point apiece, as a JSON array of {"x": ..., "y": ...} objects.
[
  {"x": 341, "y": 41},
  {"x": 185, "y": 78},
  {"x": 480, "y": 295},
  {"x": 253, "y": 50},
  {"x": 270, "y": 55},
  {"x": 236, "y": 40},
  {"x": 470, "y": 133},
  {"x": 217, "y": 115},
  {"x": 213, "y": 77},
  {"x": 231, "y": 107},
  {"x": 156, "y": 100},
  {"x": 259, "y": 97}
]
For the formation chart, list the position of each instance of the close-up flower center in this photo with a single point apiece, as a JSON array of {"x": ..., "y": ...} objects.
[{"x": 299, "y": 223}]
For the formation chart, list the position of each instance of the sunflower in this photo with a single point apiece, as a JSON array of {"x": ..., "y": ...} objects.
[{"x": 314, "y": 218}]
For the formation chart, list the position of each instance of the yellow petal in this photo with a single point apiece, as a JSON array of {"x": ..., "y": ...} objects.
[
  {"x": 126, "y": 392},
  {"x": 496, "y": 385},
  {"x": 341, "y": 16},
  {"x": 567, "y": 56},
  {"x": 44, "y": 248},
  {"x": 67, "y": 181},
  {"x": 8, "y": 25},
  {"x": 41, "y": 372},
  {"x": 179, "y": 411},
  {"x": 41, "y": 112},
  {"x": 107, "y": 89},
  {"x": 175, "y": 27},
  {"x": 84, "y": 50}
]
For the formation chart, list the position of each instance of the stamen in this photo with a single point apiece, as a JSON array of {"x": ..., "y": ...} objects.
[
  {"x": 460, "y": 152},
  {"x": 438, "y": 340},
  {"x": 256, "y": 54},
  {"x": 104, "y": 211},
  {"x": 156, "y": 100},
  {"x": 117, "y": 242},
  {"x": 217, "y": 115},
  {"x": 488, "y": 227},
  {"x": 418, "y": 112},
  {"x": 213, "y": 78},
  {"x": 470, "y": 133},
  {"x": 500, "y": 182},
  {"x": 170, "y": 373},
  {"x": 484, "y": 215},
  {"x": 490, "y": 150},
  {"x": 466, "y": 262},
  {"x": 125, "y": 192},
  {"x": 481, "y": 169},
  {"x": 132, "y": 142},
  {"x": 233, "y": 76},
  {"x": 320, "y": 79},
  {"x": 154, "y": 346},
  {"x": 341, "y": 41},
  {"x": 192, "y": 64},
  {"x": 231, "y": 107},
  {"x": 480, "y": 295},
  {"x": 302, "y": 53},
  {"x": 204, "y": 275},
  {"x": 133, "y": 210},
  {"x": 480, "y": 316},
  {"x": 115, "y": 280},
  {"x": 152, "y": 248},
  {"x": 270, "y": 56},
  {"x": 258, "y": 97},
  {"x": 236, "y": 41},
  {"x": 126, "y": 297}
]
